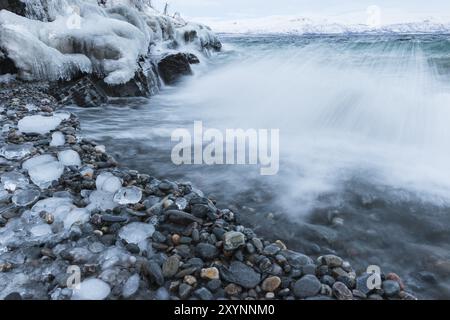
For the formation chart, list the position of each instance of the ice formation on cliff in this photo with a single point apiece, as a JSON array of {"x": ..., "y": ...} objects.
[{"x": 61, "y": 39}]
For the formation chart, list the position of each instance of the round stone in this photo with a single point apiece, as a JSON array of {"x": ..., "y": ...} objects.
[
  {"x": 271, "y": 284},
  {"x": 307, "y": 286}
]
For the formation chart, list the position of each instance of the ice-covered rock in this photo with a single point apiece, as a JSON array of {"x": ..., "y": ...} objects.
[
  {"x": 44, "y": 174},
  {"x": 101, "y": 200},
  {"x": 16, "y": 151},
  {"x": 162, "y": 294},
  {"x": 38, "y": 124},
  {"x": 91, "y": 289},
  {"x": 14, "y": 180},
  {"x": 131, "y": 286},
  {"x": 69, "y": 158},
  {"x": 75, "y": 216},
  {"x": 136, "y": 232},
  {"x": 107, "y": 182},
  {"x": 37, "y": 160},
  {"x": 25, "y": 197},
  {"x": 128, "y": 195},
  {"x": 58, "y": 139},
  {"x": 41, "y": 230}
]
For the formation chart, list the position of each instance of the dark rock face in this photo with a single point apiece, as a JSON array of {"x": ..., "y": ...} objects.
[
  {"x": 6, "y": 64},
  {"x": 15, "y": 6},
  {"x": 172, "y": 67},
  {"x": 83, "y": 92},
  {"x": 144, "y": 84}
]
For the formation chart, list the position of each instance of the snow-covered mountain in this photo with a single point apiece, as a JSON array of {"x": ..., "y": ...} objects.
[{"x": 306, "y": 25}]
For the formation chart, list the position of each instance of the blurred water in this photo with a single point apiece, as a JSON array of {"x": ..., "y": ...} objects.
[{"x": 364, "y": 144}]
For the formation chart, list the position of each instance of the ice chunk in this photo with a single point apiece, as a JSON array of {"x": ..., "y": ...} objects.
[
  {"x": 76, "y": 216},
  {"x": 13, "y": 180},
  {"x": 69, "y": 158},
  {"x": 136, "y": 232},
  {"x": 41, "y": 230},
  {"x": 38, "y": 124},
  {"x": 91, "y": 289},
  {"x": 101, "y": 200},
  {"x": 16, "y": 151},
  {"x": 58, "y": 139},
  {"x": 37, "y": 160},
  {"x": 106, "y": 181},
  {"x": 42, "y": 175},
  {"x": 128, "y": 195},
  {"x": 131, "y": 286},
  {"x": 51, "y": 204},
  {"x": 25, "y": 197}
]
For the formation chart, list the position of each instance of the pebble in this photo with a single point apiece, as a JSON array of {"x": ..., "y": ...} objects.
[
  {"x": 207, "y": 251},
  {"x": 233, "y": 240},
  {"x": 92, "y": 289},
  {"x": 391, "y": 288},
  {"x": 184, "y": 291},
  {"x": 214, "y": 285},
  {"x": 203, "y": 294},
  {"x": 170, "y": 266},
  {"x": 341, "y": 292},
  {"x": 210, "y": 273},
  {"x": 331, "y": 261},
  {"x": 153, "y": 271},
  {"x": 190, "y": 280},
  {"x": 307, "y": 286},
  {"x": 240, "y": 274},
  {"x": 131, "y": 286},
  {"x": 233, "y": 289},
  {"x": 271, "y": 284},
  {"x": 271, "y": 250}
]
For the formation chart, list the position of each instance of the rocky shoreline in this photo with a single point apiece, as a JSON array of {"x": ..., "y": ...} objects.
[{"x": 133, "y": 236}]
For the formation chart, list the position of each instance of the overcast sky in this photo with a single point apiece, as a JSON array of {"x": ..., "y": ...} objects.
[{"x": 394, "y": 10}]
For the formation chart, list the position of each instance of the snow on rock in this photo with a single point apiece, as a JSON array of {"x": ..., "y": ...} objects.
[
  {"x": 44, "y": 174},
  {"x": 128, "y": 195},
  {"x": 91, "y": 289},
  {"x": 108, "y": 182},
  {"x": 69, "y": 158},
  {"x": 58, "y": 139},
  {"x": 38, "y": 124}
]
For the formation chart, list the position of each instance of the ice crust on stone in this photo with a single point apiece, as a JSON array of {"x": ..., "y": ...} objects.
[
  {"x": 91, "y": 289},
  {"x": 107, "y": 182},
  {"x": 128, "y": 195},
  {"x": 37, "y": 123},
  {"x": 69, "y": 158},
  {"x": 25, "y": 197},
  {"x": 13, "y": 180},
  {"x": 131, "y": 286},
  {"x": 16, "y": 151},
  {"x": 40, "y": 230}
]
